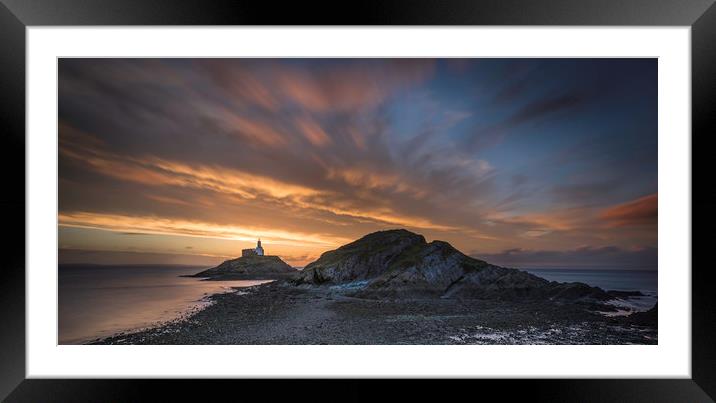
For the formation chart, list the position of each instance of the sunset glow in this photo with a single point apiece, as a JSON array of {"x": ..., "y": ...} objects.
[{"x": 520, "y": 161}]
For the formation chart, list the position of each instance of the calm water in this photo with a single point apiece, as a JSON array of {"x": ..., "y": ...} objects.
[{"x": 99, "y": 301}]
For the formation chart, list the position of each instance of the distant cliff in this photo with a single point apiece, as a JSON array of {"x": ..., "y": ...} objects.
[
  {"x": 250, "y": 267},
  {"x": 400, "y": 264}
]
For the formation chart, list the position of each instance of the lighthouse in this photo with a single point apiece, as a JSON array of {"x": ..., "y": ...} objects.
[{"x": 257, "y": 251}]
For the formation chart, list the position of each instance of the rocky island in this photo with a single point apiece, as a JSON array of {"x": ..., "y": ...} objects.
[
  {"x": 251, "y": 265},
  {"x": 250, "y": 268},
  {"x": 393, "y": 287}
]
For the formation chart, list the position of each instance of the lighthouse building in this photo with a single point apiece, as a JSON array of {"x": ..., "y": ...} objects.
[{"x": 257, "y": 251}]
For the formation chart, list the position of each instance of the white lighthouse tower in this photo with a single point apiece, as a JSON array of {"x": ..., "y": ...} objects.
[{"x": 259, "y": 250}]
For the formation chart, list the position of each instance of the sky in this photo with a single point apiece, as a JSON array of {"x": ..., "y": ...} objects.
[{"x": 520, "y": 162}]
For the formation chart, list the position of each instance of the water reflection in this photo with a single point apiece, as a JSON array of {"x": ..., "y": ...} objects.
[{"x": 99, "y": 301}]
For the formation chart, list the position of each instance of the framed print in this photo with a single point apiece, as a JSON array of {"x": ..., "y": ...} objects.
[{"x": 462, "y": 191}]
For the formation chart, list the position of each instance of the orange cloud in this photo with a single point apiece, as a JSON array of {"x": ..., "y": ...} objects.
[
  {"x": 169, "y": 200},
  {"x": 242, "y": 83},
  {"x": 231, "y": 181},
  {"x": 640, "y": 212},
  {"x": 349, "y": 88},
  {"x": 365, "y": 179},
  {"x": 334, "y": 90},
  {"x": 542, "y": 223},
  {"x": 155, "y": 171},
  {"x": 255, "y": 131},
  {"x": 181, "y": 227},
  {"x": 313, "y": 132},
  {"x": 158, "y": 172}
]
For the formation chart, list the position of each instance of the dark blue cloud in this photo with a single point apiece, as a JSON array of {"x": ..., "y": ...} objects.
[{"x": 610, "y": 257}]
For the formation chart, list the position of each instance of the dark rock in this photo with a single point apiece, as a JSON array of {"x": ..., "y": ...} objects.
[
  {"x": 625, "y": 294},
  {"x": 647, "y": 318},
  {"x": 400, "y": 264},
  {"x": 363, "y": 259},
  {"x": 250, "y": 267}
]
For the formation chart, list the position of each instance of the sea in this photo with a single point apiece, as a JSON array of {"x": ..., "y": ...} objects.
[
  {"x": 97, "y": 301},
  {"x": 644, "y": 281}
]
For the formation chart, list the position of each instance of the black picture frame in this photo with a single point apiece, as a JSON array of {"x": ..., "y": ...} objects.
[{"x": 16, "y": 15}]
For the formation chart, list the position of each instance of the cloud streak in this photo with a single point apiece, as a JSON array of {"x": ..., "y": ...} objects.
[
  {"x": 167, "y": 226},
  {"x": 645, "y": 258},
  {"x": 643, "y": 211},
  {"x": 531, "y": 112}
]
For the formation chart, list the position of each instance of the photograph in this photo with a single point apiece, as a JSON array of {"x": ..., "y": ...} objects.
[{"x": 357, "y": 201}]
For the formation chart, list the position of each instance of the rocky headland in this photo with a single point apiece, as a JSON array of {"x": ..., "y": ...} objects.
[
  {"x": 393, "y": 287},
  {"x": 401, "y": 264}
]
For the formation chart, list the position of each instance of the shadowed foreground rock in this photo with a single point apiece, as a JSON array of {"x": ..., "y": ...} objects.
[
  {"x": 647, "y": 318},
  {"x": 279, "y": 313},
  {"x": 401, "y": 264},
  {"x": 250, "y": 267}
]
